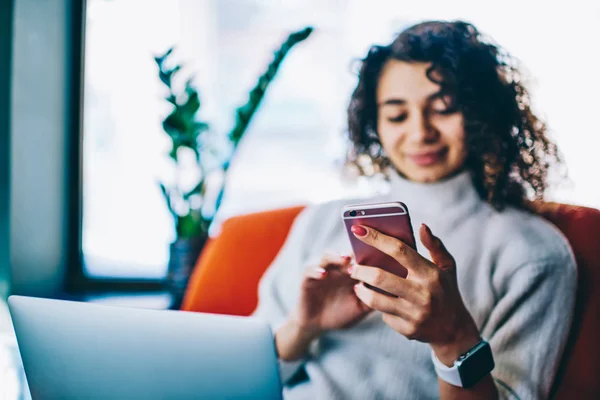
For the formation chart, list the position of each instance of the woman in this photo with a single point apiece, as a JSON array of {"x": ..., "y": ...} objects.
[{"x": 445, "y": 116}]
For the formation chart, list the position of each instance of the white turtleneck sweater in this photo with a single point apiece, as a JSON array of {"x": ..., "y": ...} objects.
[{"x": 516, "y": 274}]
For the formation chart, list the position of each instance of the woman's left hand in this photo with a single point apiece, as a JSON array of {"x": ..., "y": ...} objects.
[{"x": 428, "y": 306}]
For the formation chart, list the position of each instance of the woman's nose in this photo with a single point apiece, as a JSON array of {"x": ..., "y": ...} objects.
[{"x": 422, "y": 130}]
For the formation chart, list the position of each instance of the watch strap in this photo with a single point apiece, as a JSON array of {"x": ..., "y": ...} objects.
[
  {"x": 469, "y": 368},
  {"x": 448, "y": 374}
]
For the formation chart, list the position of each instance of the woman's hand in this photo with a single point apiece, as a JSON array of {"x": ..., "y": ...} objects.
[
  {"x": 428, "y": 306},
  {"x": 327, "y": 301},
  {"x": 327, "y": 298}
]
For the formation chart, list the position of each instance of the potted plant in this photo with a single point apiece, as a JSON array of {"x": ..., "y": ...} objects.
[{"x": 188, "y": 132}]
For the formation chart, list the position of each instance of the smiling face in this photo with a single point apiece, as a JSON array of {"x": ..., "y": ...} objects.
[{"x": 421, "y": 130}]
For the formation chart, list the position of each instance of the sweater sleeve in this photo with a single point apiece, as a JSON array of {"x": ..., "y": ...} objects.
[
  {"x": 528, "y": 327},
  {"x": 284, "y": 272}
]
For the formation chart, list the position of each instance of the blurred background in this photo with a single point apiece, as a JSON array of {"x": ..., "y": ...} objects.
[
  {"x": 294, "y": 146},
  {"x": 84, "y": 143}
]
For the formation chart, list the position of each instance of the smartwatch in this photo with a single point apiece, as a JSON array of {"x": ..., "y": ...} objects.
[{"x": 469, "y": 368}]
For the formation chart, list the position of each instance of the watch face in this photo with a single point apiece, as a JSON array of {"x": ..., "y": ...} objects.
[{"x": 475, "y": 365}]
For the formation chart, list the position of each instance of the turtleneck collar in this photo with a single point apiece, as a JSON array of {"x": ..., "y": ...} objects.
[{"x": 455, "y": 193}]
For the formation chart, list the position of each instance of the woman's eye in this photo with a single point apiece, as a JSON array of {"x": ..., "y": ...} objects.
[
  {"x": 443, "y": 107},
  {"x": 445, "y": 111},
  {"x": 399, "y": 118}
]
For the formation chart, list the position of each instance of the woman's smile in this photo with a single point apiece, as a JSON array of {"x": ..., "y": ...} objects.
[{"x": 427, "y": 158}]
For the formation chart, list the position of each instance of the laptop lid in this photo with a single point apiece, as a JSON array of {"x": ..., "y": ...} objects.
[{"x": 74, "y": 350}]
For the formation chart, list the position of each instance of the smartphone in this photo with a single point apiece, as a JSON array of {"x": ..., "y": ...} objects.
[{"x": 392, "y": 219}]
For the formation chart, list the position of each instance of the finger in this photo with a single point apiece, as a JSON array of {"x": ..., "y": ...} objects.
[
  {"x": 401, "y": 325},
  {"x": 332, "y": 261},
  {"x": 381, "y": 302},
  {"x": 439, "y": 255},
  {"x": 314, "y": 272},
  {"x": 397, "y": 249},
  {"x": 387, "y": 281}
]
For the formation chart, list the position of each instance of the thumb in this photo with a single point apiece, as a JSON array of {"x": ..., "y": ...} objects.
[{"x": 439, "y": 255}]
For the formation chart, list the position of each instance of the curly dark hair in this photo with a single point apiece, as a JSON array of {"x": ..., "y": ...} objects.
[{"x": 508, "y": 151}]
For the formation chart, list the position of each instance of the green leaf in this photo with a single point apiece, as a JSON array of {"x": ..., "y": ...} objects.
[
  {"x": 160, "y": 59},
  {"x": 166, "y": 75},
  {"x": 189, "y": 86},
  {"x": 176, "y": 124},
  {"x": 301, "y": 35},
  {"x": 173, "y": 152},
  {"x": 172, "y": 99},
  {"x": 244, "y": 113},
  {"x": 200, "y": 126},
  {"x": 191, "y": 105}
]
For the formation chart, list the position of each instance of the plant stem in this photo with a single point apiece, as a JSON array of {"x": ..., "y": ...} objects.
[{"x": 245, "y": 113}]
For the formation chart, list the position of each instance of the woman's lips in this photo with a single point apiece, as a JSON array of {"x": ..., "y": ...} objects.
[{"x": 428, "y": 158}]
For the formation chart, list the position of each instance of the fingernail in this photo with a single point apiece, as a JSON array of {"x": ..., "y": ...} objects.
[
  {"x": 320, "y": 270},
  {"x": 359, "y": 230},
  {"x": 346, "y": 258},
  {"x": 350, "y": 270},
  {"x": 427, "y": 228}
]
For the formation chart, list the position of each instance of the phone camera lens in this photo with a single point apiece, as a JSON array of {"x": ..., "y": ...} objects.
[{"x": 353, "y": 213}]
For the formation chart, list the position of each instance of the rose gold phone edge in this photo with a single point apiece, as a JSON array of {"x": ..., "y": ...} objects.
[{"x": 404, "y": 232}]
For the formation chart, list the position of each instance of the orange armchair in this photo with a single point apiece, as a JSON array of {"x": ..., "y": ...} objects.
[{"x": 226, "y": 277}]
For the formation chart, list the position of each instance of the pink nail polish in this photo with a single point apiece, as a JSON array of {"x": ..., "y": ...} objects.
[{"x": 359, "y": 230}]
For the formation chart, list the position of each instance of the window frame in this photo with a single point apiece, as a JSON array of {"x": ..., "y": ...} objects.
[{"x": 76, "y": 280}]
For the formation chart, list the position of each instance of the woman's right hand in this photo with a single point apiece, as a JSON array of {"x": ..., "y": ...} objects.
[{"x": 327, "y": 301}]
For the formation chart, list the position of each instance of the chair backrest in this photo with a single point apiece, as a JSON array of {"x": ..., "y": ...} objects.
[
  {"x": 226, "y": 277},
  {"x": 578, "y": 374},
  {"x": 227, "y": 274}
]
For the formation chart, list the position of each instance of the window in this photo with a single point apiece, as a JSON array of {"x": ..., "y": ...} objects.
[{"x": 293, "y": 148}]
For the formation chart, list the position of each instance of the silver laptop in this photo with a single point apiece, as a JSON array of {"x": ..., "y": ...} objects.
[{"x": 74, "y": 350}]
